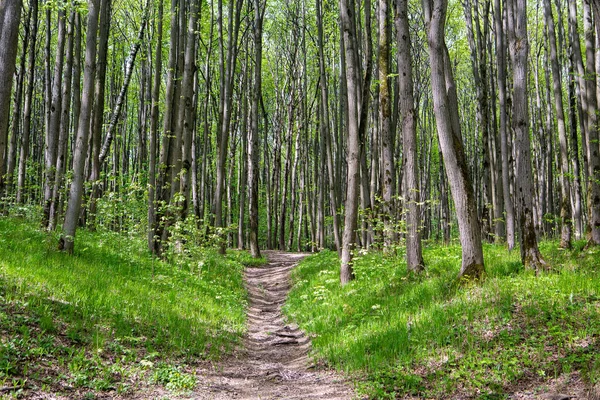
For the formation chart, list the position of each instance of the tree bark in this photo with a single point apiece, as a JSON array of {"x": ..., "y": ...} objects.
[
  {"x": 565, "y": 209},
  {"x": 253, "y": 156},
  {"x": 519, "y": 47},
  {"x": 407, "y": 116},
  {"x": 67, "y": 239},
  {"x": 51, "y": 149},
  {"x": 353, "y": 155},
  {"x": 448, "y": 127},
  {"x": 9, "y": 36},
  {"x": 28, "y": 102}
]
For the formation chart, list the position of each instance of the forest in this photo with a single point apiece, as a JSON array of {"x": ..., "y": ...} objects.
[{"x": 167, "y": 167}]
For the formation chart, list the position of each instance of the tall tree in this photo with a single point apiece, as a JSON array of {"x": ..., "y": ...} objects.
[
  {"x": 519, "y": 48},
  {"x": 347, "y": 15},
  {"x": 253, "y": 156},
  {"x": 67, "y": 239},
  {"x": 565, "y": 209},
  {"x": 445, "y": 107},
  {"x": 28, "y": 103},
  {"x": 504, "y": 132},
  {"x": 407, "y": 116},
  {"x": 10, "y": 16}
]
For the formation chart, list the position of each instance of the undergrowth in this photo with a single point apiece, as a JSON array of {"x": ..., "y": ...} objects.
[
  {"x": 427, "y": 336},
  {"x": 110, "y": 315}
]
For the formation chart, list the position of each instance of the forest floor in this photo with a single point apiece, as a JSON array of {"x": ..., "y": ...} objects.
[{"x": 274, "y": 362}]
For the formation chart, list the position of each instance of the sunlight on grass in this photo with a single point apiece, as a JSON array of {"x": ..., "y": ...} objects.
[
  {"x": 112, "y": 287},
  {"x": 430, "y": 336}
]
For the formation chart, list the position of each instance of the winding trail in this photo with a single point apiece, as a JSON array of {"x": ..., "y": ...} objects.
[{"x": 274, "y": 363}]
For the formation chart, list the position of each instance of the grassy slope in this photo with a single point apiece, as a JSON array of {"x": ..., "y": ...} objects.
[
  {"x": 109, "y": 314},
  {"x": 427, "y": 336}
]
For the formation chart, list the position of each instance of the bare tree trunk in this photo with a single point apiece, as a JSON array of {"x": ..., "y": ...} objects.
[
  {"x": 253, "y": 156},
  {"x": 388, "y": 173},
  {"x": 414, "y": 254},
  {"x": 448, "y": 127},
  {"x": 67, "y": 239},
  {"x": 152, "y": 240},
  {"x": 98, "y": 110},
  {"x": 593, "y": 133},
  {"x": 16, "y": 119},
  {"x": 52, "y": 133},
  {"x": 185, "y": 120},
  {"x": 64, "y": 127},
  {"x": 228, "y": 61},
  {"x": 517, "y": 30},
  {"x": 9, "y": 36},
  {"x": 28, "y": 101},
  {"x": 325, "y": 128},
  {"x": 347, "y": 13},
  {"x": 504, "y": 133},
  {"x": 565, "y": 209}
]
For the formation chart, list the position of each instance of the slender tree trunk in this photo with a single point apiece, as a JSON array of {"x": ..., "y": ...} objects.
[
  {"x": 253, "y": 156},
  {"x": 517, "y": 30},
  {"x": 565, "y": 209},
  {"x": 28, "y": 103},
  {"x": 448, "y": 127},
  {"x": 67, "y": 239},
  {"x": 593, "y": 136},
  {"x": 414, "y": 255},
  {"x": 16, "y": 119},
  {"x": 325, "y": 127},
  {"x": 53, "y": 132},
  {"x": 152, "y": 240},
  {"x": 64, "y": 127},
  {"x": 98, "y": 110},
  {"x": 9, "y": 36},
  {"x": 347, "y": 13},
  {"x": 388, "y": 173},
  {"x": 504, "y": 132}
]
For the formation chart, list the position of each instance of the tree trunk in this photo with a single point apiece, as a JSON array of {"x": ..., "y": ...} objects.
[
  {"x": 565, "y": 209},
  {"x": 593, "y": 133},
  {"x": 519, "y": 47},
  {"x": 353, "y": 155},
  {"x": 51, "y": 149},
  {"x": 67, "y": 239},
  {"x": 64, "y": 127},
  {"x": 28, "y": 102},
  {"x": 152, "y": 240},
  {"x": 9, "y": 36},
  {"x": 325, "y": 128},
  {"x": 448, "y": 127},
  {"x": 98, "y": 111},
  {"x": 414, "y": 254},
  {"x": 504, "y": 132},
  {"x": 253, "y": 156}
]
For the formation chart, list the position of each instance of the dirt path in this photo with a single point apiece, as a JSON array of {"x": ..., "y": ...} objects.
[{"x": 274, "y": 363}]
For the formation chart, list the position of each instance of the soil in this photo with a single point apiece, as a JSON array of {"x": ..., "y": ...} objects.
[{"x": 275, "y": 362}]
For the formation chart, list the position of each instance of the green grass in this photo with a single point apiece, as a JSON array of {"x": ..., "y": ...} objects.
[
  {"x": 427, "y": 335},
  {"x": 110, "y": 311}
]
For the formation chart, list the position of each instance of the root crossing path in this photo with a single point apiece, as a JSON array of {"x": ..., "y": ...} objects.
[{"x": 274, "y": 363}]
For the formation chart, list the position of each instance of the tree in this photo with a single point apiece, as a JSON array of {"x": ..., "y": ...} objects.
[
  {"x": 253, "y": 155},
  {"x": 10, "y": 16},
  {"x": 448, "y": 127},
  {"x": 414, "y": 256},
  {"x": 67, "y": 239},
  {"x": 565, "y": 209},
  {"x": 347, "y": 13},
  {"x": 519, "y": 47}
]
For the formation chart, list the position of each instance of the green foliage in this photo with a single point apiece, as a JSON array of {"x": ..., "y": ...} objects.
[
  {"x": 103, "y": 316},
  {"x": 425, "y": 335},
  {"x": 173, "y": 378}
]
